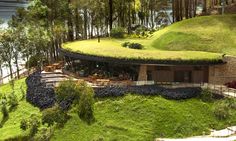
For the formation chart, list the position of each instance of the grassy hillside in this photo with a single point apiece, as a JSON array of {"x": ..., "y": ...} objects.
[
  {"x": 208, "y": 33},
  {"x": 12, "y": 127},
  {"x": 183, "y": 40},
  {"x": 129, "y": 118},
  {"x": 138, "y": 118}
]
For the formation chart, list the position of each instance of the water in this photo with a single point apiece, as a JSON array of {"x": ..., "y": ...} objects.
[{"x": 7, "y": 9}]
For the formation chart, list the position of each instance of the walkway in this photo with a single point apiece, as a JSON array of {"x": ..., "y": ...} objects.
[
  {"x": 52, "y": 79},
  {"x": 228, "y": 134}
]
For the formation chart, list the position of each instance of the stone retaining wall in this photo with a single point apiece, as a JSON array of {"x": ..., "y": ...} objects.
[{"x": 221, "y": 74}]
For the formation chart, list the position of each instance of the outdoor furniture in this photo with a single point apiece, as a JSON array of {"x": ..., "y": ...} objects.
[
  {"x": 56, "y": 65},
  {"x": 102, "y": 82},
  {"x": 49, "y": 69}
]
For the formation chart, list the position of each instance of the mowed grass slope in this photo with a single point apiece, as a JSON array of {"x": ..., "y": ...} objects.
[
  {"x": 12, "y": 128},
  {"x": 207, "y": 33},
  {"x": 113, "y": 48},
  {"x": 140, "y": 118},
  {"x": 194, "y": 39}
]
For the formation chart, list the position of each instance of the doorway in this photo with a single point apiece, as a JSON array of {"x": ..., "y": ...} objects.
[{"x": 183, "y": 76}]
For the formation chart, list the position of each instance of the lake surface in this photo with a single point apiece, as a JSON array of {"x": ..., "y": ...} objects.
[{"x": 7, "y": 9}]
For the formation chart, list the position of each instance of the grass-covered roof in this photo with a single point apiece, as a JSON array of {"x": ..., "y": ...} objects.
[{"x": 203, "y": 38}]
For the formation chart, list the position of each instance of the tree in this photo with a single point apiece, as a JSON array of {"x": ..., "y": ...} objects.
[{"x": 7, "y": 48}]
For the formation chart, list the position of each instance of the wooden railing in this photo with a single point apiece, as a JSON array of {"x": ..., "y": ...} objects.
[{"x": 22, "y": 75}]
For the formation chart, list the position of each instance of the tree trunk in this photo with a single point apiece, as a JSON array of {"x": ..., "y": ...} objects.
[
  {"x": 10, "y": 69},
  {"x": 17, "y": 67},
  {"x": 110, "y": 14}
]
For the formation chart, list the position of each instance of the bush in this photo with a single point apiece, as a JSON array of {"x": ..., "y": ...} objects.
[
  {"x": 37, "y": 93},
  {"x": 54, "y": 115},
  {"x": 206, "y": 95},
  {"x": 135, "y": 46},
  {"x": 125, "y": 44},
  {"x": 118, "y": 32},
  {"x": 132, "y": 45},
  {"x": 32, "y": 124},
  {"x": 67, "y": 92},
  {"x": 86, "y": 103},
  {"x": 32, "y": 62},
  {"x": 12, "y": 100},
  {"x": 222, "y": 111},
  {"x": 231, "y": 103},
  {"x": 44, "y": 134},
  {"x": 4, "y": 111},
  {"x": 176, "y": 94}
]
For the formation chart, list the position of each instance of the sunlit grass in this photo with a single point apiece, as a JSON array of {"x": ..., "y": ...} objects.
[
  {"x": 113, "y": 48},
  {"x": 140, "y": 118},
  {"x": 194, "y": 39},
  {"x": 23, "y": 111}
]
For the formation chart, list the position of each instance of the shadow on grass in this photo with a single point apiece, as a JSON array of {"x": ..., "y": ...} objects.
[{"x": 4, "y": 120}]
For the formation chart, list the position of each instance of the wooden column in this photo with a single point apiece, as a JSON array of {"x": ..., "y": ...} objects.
[{"x": 142, "y": 73}]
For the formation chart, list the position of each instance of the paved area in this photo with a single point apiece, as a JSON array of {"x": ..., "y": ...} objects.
[{"x": 228, "y": 134}]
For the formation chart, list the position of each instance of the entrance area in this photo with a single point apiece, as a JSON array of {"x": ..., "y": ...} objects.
[{"x": 183, "y": 76}]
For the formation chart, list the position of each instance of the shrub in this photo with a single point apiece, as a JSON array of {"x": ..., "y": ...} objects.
[
  {"x": 4, "y": 111},
  {"x": 86, "y": 103},
  {"x": 24, "y": 124},
  {"x": 206, "y": 95},
  {"x": 32, "y": 124},
  {"x": 12, "y": 100},
  {"x": 44, "y": 134},
  {"x": 37, "y": 93},
  {"x": 32, "y": 62},
  {"x": 135, "y": 46},
  {"x": 118, "y": 32},
  {"x": 231, "y": 103},
  {"x": 222, "y": 111},
  {"x": 125, "y": 44},
  {"x": 54, "y": 115},
  {"x": 67, "y": 92},
  {"x": 132, "y": 45}
]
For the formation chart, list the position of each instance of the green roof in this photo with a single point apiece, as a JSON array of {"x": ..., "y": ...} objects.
[{"x": 203, "y": 38}]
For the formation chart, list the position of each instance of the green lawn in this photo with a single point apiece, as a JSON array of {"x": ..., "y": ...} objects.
[
  {"x": 138, "y": 118},
  {"x": 12, "y": 127},
  {"x": 183, "y": 41},
  {"x": 125, "y": 119},
  {"x": 208, "y": 33},
  {"x": 113, "y": 48}
]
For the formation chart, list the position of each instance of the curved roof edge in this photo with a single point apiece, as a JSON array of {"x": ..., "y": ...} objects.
[{"x": 80, "y": 56}]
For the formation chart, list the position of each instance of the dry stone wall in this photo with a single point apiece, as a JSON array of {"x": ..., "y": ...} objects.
[{"x": 221, "y": 74}]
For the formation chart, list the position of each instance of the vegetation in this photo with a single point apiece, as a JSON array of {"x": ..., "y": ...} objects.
[
  {"x": 144, "y": 118},
  {"x": 126, "y": 118},
  {"x": 11, "y": 128},
  {"x": 118, "y": 32},
  {"x": 67, "y": 90},
  {"x": 112, "y": 48},
  {"x": 54, "y": 115},
  {"x": 206, "y": 95},
  {"x": 132, "y": 45},
  {"x": 86, "y": 103},
  {"x": 182, "y": 41}
]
